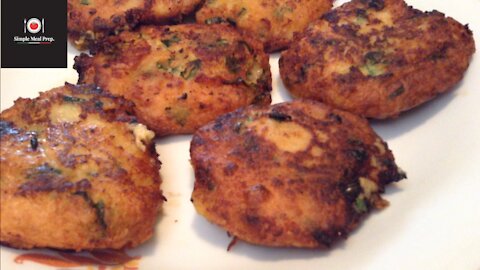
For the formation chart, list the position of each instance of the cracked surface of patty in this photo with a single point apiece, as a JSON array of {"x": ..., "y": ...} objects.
[
  {"x": 77, "y": 173},
  {"x": 377, "y": 58},
  {"x": 181, "y": 77},
  {"x": 273, "y": 22},
  {"x": 297, "y": 174},
  {"x": 91, "y": 20}
]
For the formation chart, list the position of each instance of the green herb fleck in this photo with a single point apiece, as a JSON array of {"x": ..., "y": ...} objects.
[
  {"x": 373, "y": 71},
  {"x": 374, "y": 57},
  {"x": 162, "y": 66},
  {"x": 375, "y": 65},
  {"x": 218, "y": 43},
  {"x": 99, "y": 207},
  {"x": 191, "y": 69},
  {"x": 100, "y": 211},
  {"x": 167, "y": 66},
  {"x": 361, "y": 17},
  {"x": 73, "y": 99},
  {"x": 233, "y": 64},
  {"x": 221, "y": 42},
  {"x": 397, "y": 92},
  {"x": 179, "y": 113},
  {"x": 242, "y": 12},
  {"x": 279, "y": 12},
  {"x": 360, "y": 205},
  {"x": 215, "y": 20},
  {"x": 98, "y": 104},
  {"x": 44, "y": 169},
  {"x": 360, "y": 20},
  {"x": 172, "y": 40},
  {"x": 85, "y": 2},
  {"x": 246, "y": 46}
]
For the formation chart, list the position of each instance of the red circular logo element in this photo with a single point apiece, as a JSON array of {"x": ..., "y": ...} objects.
[{"x": 34, "y": 26}]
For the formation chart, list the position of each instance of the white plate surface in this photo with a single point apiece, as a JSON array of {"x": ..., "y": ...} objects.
[{"x": 433, "y": 221}]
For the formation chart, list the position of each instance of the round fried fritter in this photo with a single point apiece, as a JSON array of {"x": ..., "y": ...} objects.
[
  {"x": 377, "y": 58},
  {"x": 181, "y": 77},
  {"x": 91, "y": 20},
  {"x": 297, "y": 174},
  {"x": 76, "y": 173},
  {"x": 274, "y": 22}
]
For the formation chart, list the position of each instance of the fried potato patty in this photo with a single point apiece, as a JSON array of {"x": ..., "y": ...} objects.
[
  {"x": 76, "y": 173},
  {"x": 90, "y": 20},
  {"x": 297, "y": 174},
  {"x": 274, "y": 22},
  {"x": 377, "y": 58},
  {"x": 181, "y": 77}
]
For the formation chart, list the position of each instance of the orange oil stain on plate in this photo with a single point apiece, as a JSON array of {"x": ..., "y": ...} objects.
[{"x": 95, "y": 260}]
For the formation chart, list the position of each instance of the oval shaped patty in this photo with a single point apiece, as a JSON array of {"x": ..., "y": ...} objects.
[
  {"x": 181, "y": 77},
  {"x": 92, "y": 20},
  {"x": 377, "y": 58},
  {"x": 75, "y": 173},
  {"x": 297, "y": 174},
  {"x": 273, "y": 22}
]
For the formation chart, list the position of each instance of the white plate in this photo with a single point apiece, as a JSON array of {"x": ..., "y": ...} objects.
[{"x": 433, "y": 221}]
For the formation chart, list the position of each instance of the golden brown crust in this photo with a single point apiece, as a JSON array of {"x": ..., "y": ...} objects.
[
  {"x": 273, "y": 22},
  {"x": 181, "y": 77},
  {"x": 297, "y": 174},
  {"x": 377, "y": 58},
  {"x": 73, "y": 175},
  {"x": 92, "y": 20}
]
